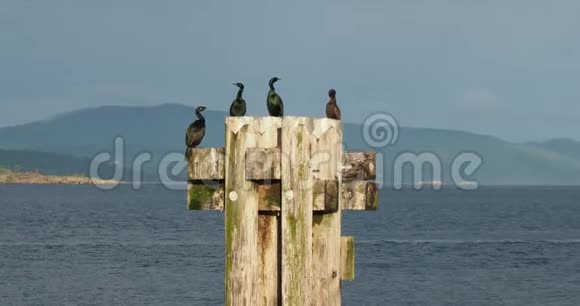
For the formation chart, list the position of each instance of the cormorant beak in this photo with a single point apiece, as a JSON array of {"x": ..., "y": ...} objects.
[{"x": 234, "y": 84}]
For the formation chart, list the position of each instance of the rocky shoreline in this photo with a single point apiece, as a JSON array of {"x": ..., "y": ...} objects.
[{"x": 11, "y": 177}]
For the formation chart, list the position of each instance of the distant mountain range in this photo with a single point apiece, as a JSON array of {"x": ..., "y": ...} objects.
[
  {"x": 49, "y": 163},
  {"x": 64, "y": 145}
]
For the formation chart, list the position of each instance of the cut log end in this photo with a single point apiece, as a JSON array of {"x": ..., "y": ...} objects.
[
  {"x": 360, "y": 196},
  {"x": 359, "y": 166},
  {"x": 206, "y": 164}
]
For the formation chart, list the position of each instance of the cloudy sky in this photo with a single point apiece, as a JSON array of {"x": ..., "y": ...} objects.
[{"x": 509, "y": 68}]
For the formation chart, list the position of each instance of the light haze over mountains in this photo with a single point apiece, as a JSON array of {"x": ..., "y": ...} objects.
[{"x": 160, "y": 130}]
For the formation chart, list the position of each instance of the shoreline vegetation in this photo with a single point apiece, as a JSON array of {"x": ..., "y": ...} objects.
[{"x": 15, "y": 177}]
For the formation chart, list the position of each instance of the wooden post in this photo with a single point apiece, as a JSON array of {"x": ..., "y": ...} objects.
[
  {"x": 241, "y": 215},
  {"x": 283, "y": 183},
  {"x": 326, "y": 228},
  {"x": 268, "y": 222},
  {"x": 296, "y": 208}
]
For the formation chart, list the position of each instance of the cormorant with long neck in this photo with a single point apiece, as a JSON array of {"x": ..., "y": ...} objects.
[
  {"x": 238, "y": 107},
  {"x": 195, "y": 132},
  {"x": 332, "y": 110},
  {"x": 274, "y": 102}
]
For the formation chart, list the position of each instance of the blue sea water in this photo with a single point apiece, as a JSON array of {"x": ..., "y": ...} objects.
[{"x": 495, "y": 246}]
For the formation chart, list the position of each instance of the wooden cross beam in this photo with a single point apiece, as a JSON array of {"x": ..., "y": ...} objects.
[{"x": 206, "y": 175}]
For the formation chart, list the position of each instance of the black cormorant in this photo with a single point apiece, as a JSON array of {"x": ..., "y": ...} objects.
[
  {"x": 238, "y": 107},
  {"x": 195, "y": 132},
  {"x": 274, "y": 102},
  {"x": 332, "y": 110}
]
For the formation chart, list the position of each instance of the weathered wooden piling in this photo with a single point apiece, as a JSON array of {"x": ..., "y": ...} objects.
[{"x": 283, "y": 183}]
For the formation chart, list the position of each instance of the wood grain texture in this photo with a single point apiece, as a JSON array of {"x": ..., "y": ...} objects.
[
  {"x": 263, "y": 164},
  {"x": 359, "y": 195},
  {"x": 206, "y": 164},
  {"x": 268, "y": 277},
  {"x": 326, "y": 228},
  {"x": 296, "y": 211},
  {"x": 347, "y": 258},
  {"x": 359, "y": 166},
  {"x": 241, "y": 216},
  {"x": 268, "y": 223},
  {"x": 269, "y": 197},
  {"x": 326, "y": 195}
]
